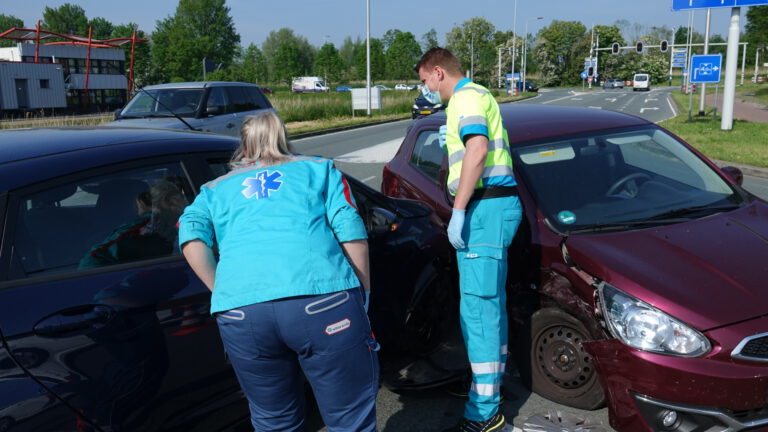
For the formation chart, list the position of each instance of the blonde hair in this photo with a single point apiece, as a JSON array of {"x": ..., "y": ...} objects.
[{"x": 262, "y": 139}]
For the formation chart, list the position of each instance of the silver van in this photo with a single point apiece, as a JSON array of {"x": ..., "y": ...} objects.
[
  {"x": 641, "y": 81},
  {"x": 215, "y": 106}
]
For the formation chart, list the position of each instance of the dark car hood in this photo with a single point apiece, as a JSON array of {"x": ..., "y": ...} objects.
[{"x": 709, "y": 272}]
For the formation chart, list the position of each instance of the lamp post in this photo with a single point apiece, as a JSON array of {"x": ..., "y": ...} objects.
[
  {"x": 525, "y": 52},
  {"x": 514, "y": 40},
  {"x": 757, "y": 57}
]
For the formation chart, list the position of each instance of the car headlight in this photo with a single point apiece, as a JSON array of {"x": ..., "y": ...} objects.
[
  {"x": 415, "y": 106},
  {"x": 646, "y": 328}
]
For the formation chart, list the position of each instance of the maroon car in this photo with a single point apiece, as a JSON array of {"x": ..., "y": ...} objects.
[{"x": 638, "y": 276}]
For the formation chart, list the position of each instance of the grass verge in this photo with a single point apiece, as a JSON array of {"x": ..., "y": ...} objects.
[{"x": 744, "y": 144}]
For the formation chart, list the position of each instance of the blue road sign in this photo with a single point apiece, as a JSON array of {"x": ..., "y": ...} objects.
[
  {"x": 706, "y": 68},
  {"x": 678, "y": 65},
  {"x": 583, "y": 75},
  {"x": 678, "y": 5}
]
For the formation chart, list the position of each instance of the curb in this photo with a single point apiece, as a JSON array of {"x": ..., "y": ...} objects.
[
  {"x": 343, "y": 128},
  {"x": 747, "y": 170}
]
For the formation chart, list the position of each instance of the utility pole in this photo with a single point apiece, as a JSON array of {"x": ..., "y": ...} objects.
[
  {"x": 368, "y": 52},
  {"x": 706, "y": 51},
  {"x": 514, "y": 44},
  {"x": 591, "y": 48},
  {"x": 729, "y": 91}
]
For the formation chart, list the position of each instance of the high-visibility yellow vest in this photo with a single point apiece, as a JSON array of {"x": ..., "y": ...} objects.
[{"x": 473, "y": 110}]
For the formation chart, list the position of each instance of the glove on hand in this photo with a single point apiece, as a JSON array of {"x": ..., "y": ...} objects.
[
  {"x": 441, "y": 135},
  {"x": 455, "y": 227}
]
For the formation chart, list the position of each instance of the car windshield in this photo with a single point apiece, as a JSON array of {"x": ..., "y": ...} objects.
[
  {"x": 164, "y": 103},
  {"x": 641, "y": 78},
  {"x": 620, "y": 181}
]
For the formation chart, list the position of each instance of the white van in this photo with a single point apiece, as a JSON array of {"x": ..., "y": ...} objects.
[
  {"x": 641, "y": 81},
  {"x": 308, "y": 84}
]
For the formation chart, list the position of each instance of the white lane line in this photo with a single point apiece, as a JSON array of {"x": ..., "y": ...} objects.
[
  {"x": 365, "y": 180},
  {"x": 383, "y": 152},
  {"x": 671, "y": 106},
  {"x": 596, "y": 107},
  {"x": 642, "y": 110}
]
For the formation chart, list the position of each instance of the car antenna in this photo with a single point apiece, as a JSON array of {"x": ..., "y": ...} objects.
[{"x": 163, "y": 105}]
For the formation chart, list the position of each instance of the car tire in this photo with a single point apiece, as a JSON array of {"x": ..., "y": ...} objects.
[{"x": 553, "y": 363}]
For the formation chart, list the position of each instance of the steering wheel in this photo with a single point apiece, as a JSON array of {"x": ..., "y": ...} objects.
[{"x": 623, "y": 183}]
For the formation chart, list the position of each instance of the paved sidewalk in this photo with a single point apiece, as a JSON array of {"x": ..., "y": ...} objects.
[{"x": 741, "y": 110}]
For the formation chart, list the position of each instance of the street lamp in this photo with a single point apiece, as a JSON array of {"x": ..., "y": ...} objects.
[
  {"x": 525, "y": 52},
  {"x": 757, "y": 57}
]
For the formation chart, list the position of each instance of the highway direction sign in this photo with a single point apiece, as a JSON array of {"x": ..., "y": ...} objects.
[
  {"x": 678, "y": 5},
  {"x": 706, "y": 68}
]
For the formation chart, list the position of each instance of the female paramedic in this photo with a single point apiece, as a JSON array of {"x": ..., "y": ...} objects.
[{"x": 291, "y": 283}]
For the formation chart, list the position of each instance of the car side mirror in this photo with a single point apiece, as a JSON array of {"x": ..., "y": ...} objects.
[
  {"x": 117, "y": 113},
  {"x": 213, "y": 110},
  {"x": 734, "y": 173},
  {"x": 380, "y": 221}
]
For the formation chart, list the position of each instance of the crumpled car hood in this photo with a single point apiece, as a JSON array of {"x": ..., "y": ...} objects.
[{"x": 708, "y": 272}]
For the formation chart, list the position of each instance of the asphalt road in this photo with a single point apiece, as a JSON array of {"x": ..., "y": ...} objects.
[{"x": 363, "y": 153}]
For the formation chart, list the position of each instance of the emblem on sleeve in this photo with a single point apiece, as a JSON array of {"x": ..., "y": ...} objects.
[{"x": 260, "y": 186}]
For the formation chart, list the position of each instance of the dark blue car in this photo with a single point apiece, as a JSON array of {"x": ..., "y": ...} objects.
[{"x": 103, "y": 326}]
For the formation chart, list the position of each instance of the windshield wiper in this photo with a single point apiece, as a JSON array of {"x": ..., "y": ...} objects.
[
  {"x": 158, "y": 115},
  {"x": 691, "y": 212}
]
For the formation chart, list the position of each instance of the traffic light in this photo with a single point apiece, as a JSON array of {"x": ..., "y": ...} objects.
[
  {"x": 591, "y": 71},
  {"x": 639, "y": 48},
  {"x": 663, "y": 46},
  {"x": 615, "y": 48}
]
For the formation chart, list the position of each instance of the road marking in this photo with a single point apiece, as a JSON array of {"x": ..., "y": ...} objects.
[
  {"x": 596, "y": 107},
  {"x": 611, "y": 99},
  {"x": 383, "y": 152},
  {"x": 671, "y": 106},
  {"x": 577, "y": 98},
  {"x": 643, "y": 109},
  {"x": 345, "y": 131},
  {"x": 564, "y": 97},
  {"x": 649, "y": 99},
  {"x": 365, "y": 180}
]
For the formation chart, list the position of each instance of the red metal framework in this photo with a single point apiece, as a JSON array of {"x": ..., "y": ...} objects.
[{"x": 37, "y": 35}]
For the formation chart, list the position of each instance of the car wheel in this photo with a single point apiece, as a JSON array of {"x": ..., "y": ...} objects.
[{"x": 553, "y": 363}]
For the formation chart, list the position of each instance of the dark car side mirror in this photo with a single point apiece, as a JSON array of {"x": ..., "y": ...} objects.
[
  {"x": 213, "y": 110},
  {"x": 734, "y": 173},
  {"x": 117, "y": 113},
  {"x": 380, "y": 221}
]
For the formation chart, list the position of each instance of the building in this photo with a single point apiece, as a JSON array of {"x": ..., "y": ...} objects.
[{"x": 72, "y": 74}]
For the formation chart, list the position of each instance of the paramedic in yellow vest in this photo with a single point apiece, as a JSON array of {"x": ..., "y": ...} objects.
[{"x": 486, "y": 214}]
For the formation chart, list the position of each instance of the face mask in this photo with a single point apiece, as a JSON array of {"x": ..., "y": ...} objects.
[{"x": 431, "y": 96}]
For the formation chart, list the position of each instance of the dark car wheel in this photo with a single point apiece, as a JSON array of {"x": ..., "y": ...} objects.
[{"x": 557, "y": 367}]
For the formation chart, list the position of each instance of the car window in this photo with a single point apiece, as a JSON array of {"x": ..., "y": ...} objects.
[
  {"x": 240, "y": 99},
  {"x": 258, "y": 100},
  {"x": 164, "y": 102},
  {"x": 427, "y": 155},
  {"x": 102, "y": 220},
  {"x": 218, "y": 98}
]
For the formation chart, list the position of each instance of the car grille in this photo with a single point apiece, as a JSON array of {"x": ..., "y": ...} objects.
[{"x": 753, "y": 348}]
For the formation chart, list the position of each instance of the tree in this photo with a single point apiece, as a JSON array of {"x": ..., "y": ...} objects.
[
  {"x": 66, "y": 19},
  {"x": 142, "y": 61},
  {"x": 378, "y": 61},
  {"x": 328, "y": 63},
  {"x": 756, "y": 32},
  {"x": 287, "y": 63},
  {"x": 199, "y": 29},
  {"x": 8, "y": 22},
  {"x": 475, "y": 36},
  {"x": 100, "y": 28},
  {"x": 403, "y": 53},
  {"x": 389, "y": 37},
  {"x": 254, "y": 66},
  {"x": 282, "y": 37},
  {"x": 556, "y": 51},
  {"x": 348, "y": 53},
  {"x": 429, "y": 40}
]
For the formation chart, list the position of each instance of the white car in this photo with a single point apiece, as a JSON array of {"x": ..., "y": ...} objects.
[
  {"x": 641, "y": 81},
  {"x": 405, "y": 87}
]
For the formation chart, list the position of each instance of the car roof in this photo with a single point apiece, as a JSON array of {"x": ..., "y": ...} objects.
[
  {"x": 534, "y": 122},
  {"x": 198, "y": 84},
  {"x": 30, "y": 155}
]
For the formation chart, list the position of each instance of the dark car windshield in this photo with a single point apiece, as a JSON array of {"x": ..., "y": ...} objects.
[
  {"x": 621, "y": 180},
  {"x": 164, "y": 103}
]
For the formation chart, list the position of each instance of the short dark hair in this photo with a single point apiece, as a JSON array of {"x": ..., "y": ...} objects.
[{"x": 438, "y": 56}]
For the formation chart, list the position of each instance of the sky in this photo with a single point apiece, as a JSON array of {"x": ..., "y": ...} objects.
[{"x": 332, "y": 21}]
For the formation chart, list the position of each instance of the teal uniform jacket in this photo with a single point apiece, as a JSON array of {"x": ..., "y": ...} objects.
[{"x": 278, "y": 230}]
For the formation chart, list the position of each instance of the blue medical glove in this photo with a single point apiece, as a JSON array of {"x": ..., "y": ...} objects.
[
  {"x": 367, "y": 300},
  {"x": 441, "y": 135},
  {"x": 454, "y": 228}
]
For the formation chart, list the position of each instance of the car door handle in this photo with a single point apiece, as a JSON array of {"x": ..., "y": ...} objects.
[{"x": 75, "y": 320}]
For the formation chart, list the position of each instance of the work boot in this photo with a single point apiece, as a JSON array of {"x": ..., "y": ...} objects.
[{"x": 497, "y": 423}]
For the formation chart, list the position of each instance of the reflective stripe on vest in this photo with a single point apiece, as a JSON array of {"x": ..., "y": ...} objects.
[{"x": 475, "y": 98}]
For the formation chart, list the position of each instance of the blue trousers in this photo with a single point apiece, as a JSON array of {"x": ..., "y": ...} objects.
[
  {"x": 328, "y": 337},
  {"x": 488, "y": 231}
]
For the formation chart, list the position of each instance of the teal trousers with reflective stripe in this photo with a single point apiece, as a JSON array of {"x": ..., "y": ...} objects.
[{"x": 489, "y": 228}]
